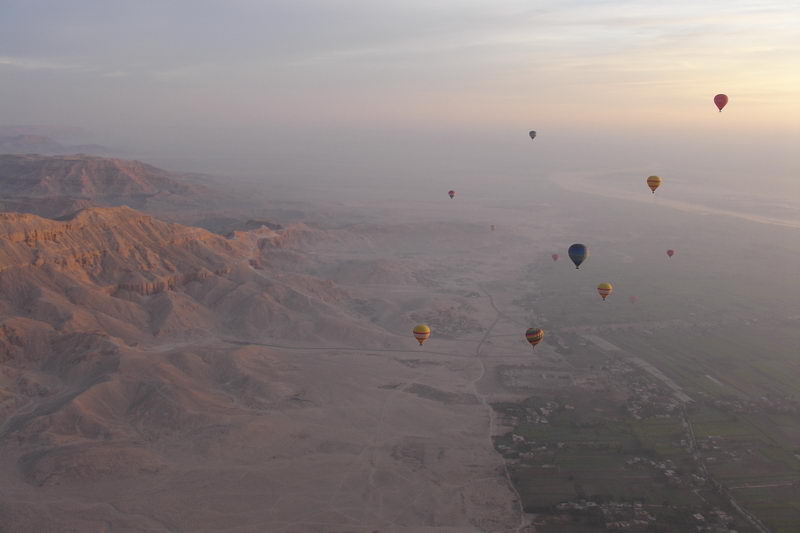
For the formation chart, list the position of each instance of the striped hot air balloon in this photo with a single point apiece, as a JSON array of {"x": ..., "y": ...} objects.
[
  {"x": 534, "y": 336},
  {"x": 422, "y": 333},
  {"x": 605, "y": 289},
  {"x": 653, "y": 182}
]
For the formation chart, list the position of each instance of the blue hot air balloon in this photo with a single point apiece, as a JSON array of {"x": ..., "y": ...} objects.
[{"x": 578, "y": 253}]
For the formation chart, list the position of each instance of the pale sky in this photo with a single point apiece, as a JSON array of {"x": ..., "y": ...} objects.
[{"x": 332, "y": 78}]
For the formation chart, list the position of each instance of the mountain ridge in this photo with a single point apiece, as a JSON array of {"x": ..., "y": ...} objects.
[
  {"x": 86, "y": 177},
  {"x": 29, "y": 143}
]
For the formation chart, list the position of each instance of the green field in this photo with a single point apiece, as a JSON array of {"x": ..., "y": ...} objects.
[
  {"x": 588, "y": 455},
  {"x": 719, "y": 319}
]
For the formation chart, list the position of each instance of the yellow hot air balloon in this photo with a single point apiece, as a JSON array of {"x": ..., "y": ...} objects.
[
  {"x": 422, "y": 333},
  {"x": 605, "y": 289},
  {"x": 653, "y": 182}
]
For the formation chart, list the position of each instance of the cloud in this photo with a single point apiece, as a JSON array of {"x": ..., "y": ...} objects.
[
  {"x": 115, "y": 74},
  {"x": 41, "y": 64},
  {"x": 478, "y": 61}
]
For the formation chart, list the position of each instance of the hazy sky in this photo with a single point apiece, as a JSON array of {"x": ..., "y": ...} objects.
[{"x": 369, "y": 83}]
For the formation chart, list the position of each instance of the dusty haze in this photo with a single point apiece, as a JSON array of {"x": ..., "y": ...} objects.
[
  {"x": 221, "y": 220},
  {"x": 403, "y": 91}
]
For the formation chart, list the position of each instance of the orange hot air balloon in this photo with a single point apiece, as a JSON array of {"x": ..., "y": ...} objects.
[
  {"x": 670, "y": 253},
  {"x": 721, "y": 100},
  {"x": 534, "y": 336},
  {"x": 653, "y": 182},
  {"x": 555, "y": 257},
  {"x": 605, "y": 289},
  {"x": 422, "y": 333},
  {"x": 452, "y": 193}
]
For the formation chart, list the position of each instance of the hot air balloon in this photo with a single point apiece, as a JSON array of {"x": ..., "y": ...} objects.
[
  {"x": 578, "y": 253},
  {"x": 670, "y": 253},
  {"x": 605, "y": 289},
  {"x": 532, "y": 134},
  {"x": 452, "y": 193},
  {"x": 721, "y": 100},
  {"x": 534, "y": 336},
  {"x": 653, "y": 182},
  {"x": 633, "y": 299},
  {"x": 422, "y": 333},
  {"x": 555, "y": 257},
  {"x": 492, "y": 226}
]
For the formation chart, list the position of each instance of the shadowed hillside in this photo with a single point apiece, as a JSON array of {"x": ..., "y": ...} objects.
[
  {"x": 57, "y": 186},
  {"x": 83, "y": 176},
  {"x": 26, "y": 143}
]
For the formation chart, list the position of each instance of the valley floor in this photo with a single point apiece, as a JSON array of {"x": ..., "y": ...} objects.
[{"x": 611, "y": 423}]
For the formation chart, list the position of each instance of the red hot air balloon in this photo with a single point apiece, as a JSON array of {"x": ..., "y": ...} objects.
[
  {"x": 555, "y": 257},
  {"x": 452, "y": 193},
  {"x": 670, "y": 253},
  {"x": 721, "y": 100}
]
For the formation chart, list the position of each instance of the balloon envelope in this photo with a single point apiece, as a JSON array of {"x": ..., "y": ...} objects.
[
  {"x": 604, "y": 289},
  {"x": 653, "y": 182},
  {"x": 492, "y": 226},
  {"x": 555, "y": 257},
  {"x": 534, "y": 336},
  {"x": 578, "y": 253},
  {"x": 452, "y": 193},
  {"x": 421, "y": 333},
  {"x": 532, "y": 134},
  {"x": 721, "y": 100},
  {"x": 633, "y": 299},
  {"x": 670, "y": 253}
]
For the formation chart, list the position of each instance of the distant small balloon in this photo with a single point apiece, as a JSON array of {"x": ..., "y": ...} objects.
[
  {"x": 532, "y": 134},
  {"x": 653, "y": 182},
  {"x": 633, "y": 299},
  {"x": 534, "y": 336},
  {"x": 670, "y": 253},
  {"x": 604, "y": 289},
  {"x": 578, "y": 253},
  {"x": 721, "y": 100},
  {"x": 555, "y": 257},
  {"x": 452, "y": 193},
  {"x": 492, "y": 226}
]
